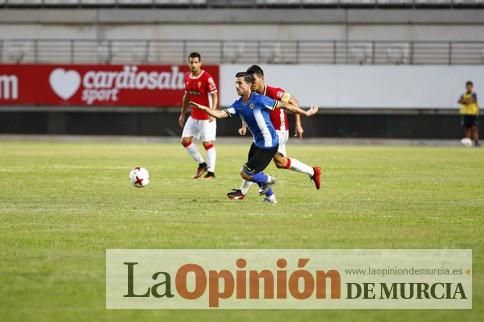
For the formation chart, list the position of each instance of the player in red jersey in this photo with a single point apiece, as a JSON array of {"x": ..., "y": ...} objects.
[
  {"x": 279, "y": 120},
  {"x": 200, "y": 88}
]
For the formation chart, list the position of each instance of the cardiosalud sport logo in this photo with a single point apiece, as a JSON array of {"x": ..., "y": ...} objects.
[
  {"x": 289, "y": 279},
  {"x": 106, "y": 85}
]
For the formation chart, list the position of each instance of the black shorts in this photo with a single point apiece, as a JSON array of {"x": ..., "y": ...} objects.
[
  {"x": 259, "y": 159},
  {"x": 469, "y": 120}
]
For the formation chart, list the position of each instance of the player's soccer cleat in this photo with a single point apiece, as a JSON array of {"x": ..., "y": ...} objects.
[
  {"x": 266, "y": 186},
  {"x": 202, "y": 168},
  {"x": 209, "y": 176},
  {"x": 271, "y": 199},
  {"x": 236, "y": 194},
  {"x": 317, "y": 177}
]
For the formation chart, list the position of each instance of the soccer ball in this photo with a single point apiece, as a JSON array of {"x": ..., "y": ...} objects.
[
  {"x": 466, "y": 142},
  {"x": 139, "y": 177}
]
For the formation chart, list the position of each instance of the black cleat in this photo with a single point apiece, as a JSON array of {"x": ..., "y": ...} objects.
[
  {"x": 236, "y": 194},
  {"x": 209, "y": 176},
  {"x": 202, "y": 168}
]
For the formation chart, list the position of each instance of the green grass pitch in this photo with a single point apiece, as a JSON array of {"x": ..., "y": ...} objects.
[{"x": 63, "y": 204}]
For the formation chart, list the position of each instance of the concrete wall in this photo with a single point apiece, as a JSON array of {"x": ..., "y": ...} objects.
[{"x": 238, "y": 24}]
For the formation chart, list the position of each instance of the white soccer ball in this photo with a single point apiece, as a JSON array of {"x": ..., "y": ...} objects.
[
  {"x": 466, "y": 142},
  {"x": 139, "y": 177}
]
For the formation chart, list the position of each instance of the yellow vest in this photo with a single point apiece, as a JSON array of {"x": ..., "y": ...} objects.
[{"x": 469, "y": 109}]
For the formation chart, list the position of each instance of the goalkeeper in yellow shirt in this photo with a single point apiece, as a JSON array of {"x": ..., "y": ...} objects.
[{"x": 469, "y": 111}]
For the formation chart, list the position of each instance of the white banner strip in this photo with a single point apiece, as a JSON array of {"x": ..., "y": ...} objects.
[{"x": 350, "y": 86}]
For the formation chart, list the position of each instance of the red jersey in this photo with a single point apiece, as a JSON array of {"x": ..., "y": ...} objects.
[
  {"x": 198, "y": 88},
  {"x": 278, "y": 115}
]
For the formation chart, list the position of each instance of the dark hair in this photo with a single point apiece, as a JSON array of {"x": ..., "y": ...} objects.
[
  {"x": 469, "y": 83},
  {"x": 195, "y": 55},
  {"x": 248, "y": 78},
  {"x": 255, "y": 69}
]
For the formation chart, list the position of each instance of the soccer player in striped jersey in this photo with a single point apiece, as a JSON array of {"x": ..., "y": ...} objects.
[
  {"x": 279, "y": 119},
  {"x": 199, "y": 87},
  {"x": 254, "y": 110}
]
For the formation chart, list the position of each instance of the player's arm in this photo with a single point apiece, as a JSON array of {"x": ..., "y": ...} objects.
[
  {"x": 289, "y": 106},
  {"x": 469, "y": 100},
  {"x": 214, "y": 101},
  {"x": 213, "y": 94},
  {"x": 297, "y": 118},
  {"x": 219, "y": 114},
  {"x": 184, "y": 106},
  {"x": 243, "y": 128},
  {"x": 473, "y": 98},
  {"x": 461, "y": 100}
]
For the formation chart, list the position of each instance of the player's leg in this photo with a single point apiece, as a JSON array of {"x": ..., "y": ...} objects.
[
  {"x": 239, "y": 194},
  {"x": 282, "y": 161},
  {"x": 190, "y": 130},
  {"x": 475, "y": 131},
  {"x": 208, "y": 136},
  {"x": 468, "y": 132},
  {"x": 253, "y": 171},
  {"x": 467, "y": 126}
]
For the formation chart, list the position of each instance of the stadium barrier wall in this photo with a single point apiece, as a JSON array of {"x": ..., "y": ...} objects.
[
  {"x": 356, "y": 101},
  {"x": 329, "y": 86}
]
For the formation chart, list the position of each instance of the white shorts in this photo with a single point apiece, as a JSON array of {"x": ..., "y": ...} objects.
[
  {"x": 283, "y": 138},
  {"x": 202, "y": 130}
]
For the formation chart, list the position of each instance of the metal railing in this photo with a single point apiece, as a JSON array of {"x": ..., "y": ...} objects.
[{"x": 242, "y": 52}]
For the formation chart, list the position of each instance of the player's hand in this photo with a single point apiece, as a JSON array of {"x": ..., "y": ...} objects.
[
  {"x": 211, "y": 118},
  {"x": 181, "y": 120},
  {"x": 242, "y": 131},
  {"x": 299, "y": 131},
  {"x": 312, "y": 110}
]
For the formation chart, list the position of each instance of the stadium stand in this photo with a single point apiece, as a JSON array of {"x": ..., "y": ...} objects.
[
  {"x": 285, "y": 32},
  {"x": 244, "y": 3}
]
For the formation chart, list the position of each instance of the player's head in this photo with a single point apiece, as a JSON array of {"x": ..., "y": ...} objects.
[
  {"x": 195, "y": 62},
  {"x": 469, "y": 86},
  {"x": 258, "y": 74},
  {"x": 243, "y": 83}
]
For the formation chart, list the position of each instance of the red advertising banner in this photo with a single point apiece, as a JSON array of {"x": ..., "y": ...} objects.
[{"x": 95, "y": 85}]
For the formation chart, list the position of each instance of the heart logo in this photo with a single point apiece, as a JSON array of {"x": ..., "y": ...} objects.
[{"x": 64, "y": 83}]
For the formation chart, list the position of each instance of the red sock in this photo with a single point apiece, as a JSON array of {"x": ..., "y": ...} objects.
[{"x": 288, "y": 164}]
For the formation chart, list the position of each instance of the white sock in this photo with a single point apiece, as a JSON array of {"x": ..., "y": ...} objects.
[
  {"x": 298, "y": 166},
  {"x": 245, "y": 186},
  {"x": 193, "y": 151},
  {"x": 211, "y": 157},
  {"x": 272, "y": 198}
]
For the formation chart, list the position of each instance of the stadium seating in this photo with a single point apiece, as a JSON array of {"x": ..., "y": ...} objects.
[{"x": 245, "y": 3}]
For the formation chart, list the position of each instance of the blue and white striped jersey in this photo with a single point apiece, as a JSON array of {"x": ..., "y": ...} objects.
[{"x": 256, "y": 113}]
